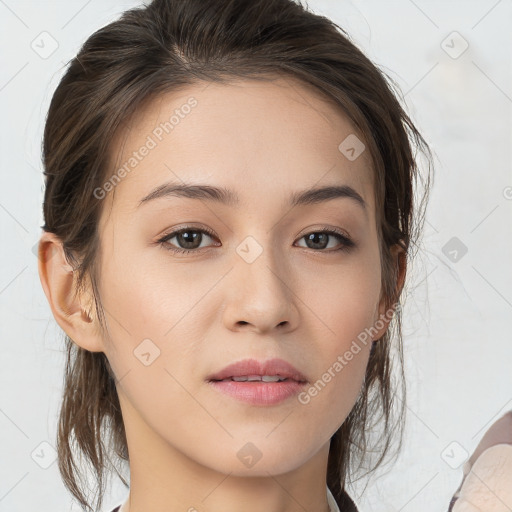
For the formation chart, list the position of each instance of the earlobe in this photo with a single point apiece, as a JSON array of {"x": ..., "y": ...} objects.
[{"x": 74, "y": 315}]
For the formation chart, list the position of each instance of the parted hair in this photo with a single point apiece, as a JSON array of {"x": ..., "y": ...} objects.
[{"x": 170, "y": 44}]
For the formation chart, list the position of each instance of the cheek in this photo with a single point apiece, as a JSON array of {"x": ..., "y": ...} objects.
[
  {"x": 345, "y": 297},
  {"x": 344, "y": 360},
  {"x": 345, "y": 301},
  {"x": 148, "y": 294}
]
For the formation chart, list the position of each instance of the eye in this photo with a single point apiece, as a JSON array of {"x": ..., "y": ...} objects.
[
  {"x": 190, "y": 238},
  {"x": 319, "y": 240}
]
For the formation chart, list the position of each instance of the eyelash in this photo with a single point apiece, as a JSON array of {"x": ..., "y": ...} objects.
[{"x": 347, "y": 243}]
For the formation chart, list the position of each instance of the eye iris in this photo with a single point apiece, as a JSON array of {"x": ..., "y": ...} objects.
[
  {"x": 314, "y": 236},
  {"x": 184, "y": 239}
]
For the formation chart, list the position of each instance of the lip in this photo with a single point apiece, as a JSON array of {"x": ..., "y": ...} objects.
[
  {"x": 259, "y": 392},
  {"x": 248, "y": 367}
]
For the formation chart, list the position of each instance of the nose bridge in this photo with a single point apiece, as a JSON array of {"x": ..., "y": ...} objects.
[
  {"x": 262, "y": 294},
  {"x": 259, "y": 262}
]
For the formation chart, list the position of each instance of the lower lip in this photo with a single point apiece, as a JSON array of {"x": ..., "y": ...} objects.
[{"x": 258, "y": 392}]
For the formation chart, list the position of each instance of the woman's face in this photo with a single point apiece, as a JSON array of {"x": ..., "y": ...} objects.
[{"x": 258, "y": 283}]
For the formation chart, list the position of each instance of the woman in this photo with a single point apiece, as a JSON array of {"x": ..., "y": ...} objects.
[{"x": 228, "y": 218}]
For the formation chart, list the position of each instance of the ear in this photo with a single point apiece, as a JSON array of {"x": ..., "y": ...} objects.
[
  {"x": 75, "y": 315},
  {"x": 384, "y": 312}
]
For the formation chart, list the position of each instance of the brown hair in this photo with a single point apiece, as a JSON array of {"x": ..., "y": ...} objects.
[{"x": 170, "y": 44}]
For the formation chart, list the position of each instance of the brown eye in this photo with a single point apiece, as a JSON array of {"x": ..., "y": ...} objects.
[
  {"x": 319, "y": 240},
  {"x": 188, "y": 239}
]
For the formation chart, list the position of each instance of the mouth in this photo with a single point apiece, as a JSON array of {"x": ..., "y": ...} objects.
[
  {"x": 258, "y": 390},
  {"x": 259, "y": 378},
  {"x": 256, "y": 383},
  {"x": 251, "y": 370}
]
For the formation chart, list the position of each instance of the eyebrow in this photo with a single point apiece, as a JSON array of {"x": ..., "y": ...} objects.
[{"x": 228, "y": 197}]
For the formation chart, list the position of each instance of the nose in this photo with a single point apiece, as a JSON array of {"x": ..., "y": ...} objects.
[{"x": 259, "y": 295}]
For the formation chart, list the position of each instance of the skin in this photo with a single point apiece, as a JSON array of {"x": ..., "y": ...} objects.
[
  {"x": 489, "y": 487},
  {"x": 206, "y": 310}
]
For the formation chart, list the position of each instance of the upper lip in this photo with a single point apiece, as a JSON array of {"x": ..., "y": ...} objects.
[{"x": 247, "y": 367}]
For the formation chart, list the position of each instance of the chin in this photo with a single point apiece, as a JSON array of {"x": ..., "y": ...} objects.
[{"x": 254, "y": 459}]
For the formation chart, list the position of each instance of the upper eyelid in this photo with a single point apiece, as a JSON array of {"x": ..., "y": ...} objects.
[
  {"x": 178, "y": 230},
  {"x": 322, "y": 229}
]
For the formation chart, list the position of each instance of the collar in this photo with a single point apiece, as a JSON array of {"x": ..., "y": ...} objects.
[{"x": 333, "y": 506}]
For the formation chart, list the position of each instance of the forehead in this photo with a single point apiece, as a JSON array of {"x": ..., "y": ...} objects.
[{"x": 264, "y": 138}]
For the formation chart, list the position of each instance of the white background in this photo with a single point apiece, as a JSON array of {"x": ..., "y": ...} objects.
[{"x": 458, "y": 344}]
